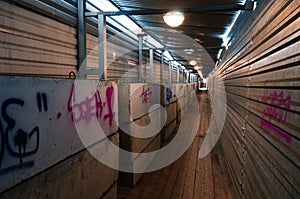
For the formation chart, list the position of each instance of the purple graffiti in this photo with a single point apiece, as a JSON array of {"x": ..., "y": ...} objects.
[
  {"x": 276, "y": 130},
  {"x": 91, "y": 107},
  {"x": 58, "y": 116},
  {"x": 110, "y": 100},
  {"x": 276, "y": 102},
  {"x": 276, "y": 110},
  {"x": 146, "y": 95}
]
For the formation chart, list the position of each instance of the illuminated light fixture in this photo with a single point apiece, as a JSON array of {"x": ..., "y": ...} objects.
[
  {"x": 188, "y": 51},
  {"x": 174, "y": 18},
  {"x": 193, "y": 62},
  {"x": 254, "y": 4},
  {"x": 197, "y": 67}
]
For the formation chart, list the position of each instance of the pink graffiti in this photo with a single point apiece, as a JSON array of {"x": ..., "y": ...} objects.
[
  {"x": 276, "y": 110},
  {"x": 276, "y": 130},
  {"x": 91, "y": 107},
  {"x": 58, "y": 115},
  {"x": 146, "y": 95},
  {"x": 277, "y": 105},
  {"x": 110, "y": 100}
]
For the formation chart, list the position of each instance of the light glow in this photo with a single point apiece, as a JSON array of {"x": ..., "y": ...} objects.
[
  {"x": 193, "y": 62},
  {"x": 197, "y": 67},
  {"x": 174, "y": 19}
]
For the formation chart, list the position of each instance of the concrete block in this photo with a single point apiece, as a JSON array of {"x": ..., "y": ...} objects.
[
  {"x": 169, "y": 129},
  {"x": 79, "y": 176},
  {"x": 171, "y": 112},
  {"x": 130, "y": 179}
]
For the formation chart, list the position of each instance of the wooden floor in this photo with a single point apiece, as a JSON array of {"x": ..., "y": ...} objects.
[{"x": 189, "y": 177}]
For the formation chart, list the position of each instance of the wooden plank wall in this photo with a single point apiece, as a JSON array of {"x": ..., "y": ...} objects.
[
  {"x": 261, "y": 72},
  {"x": 39, "y": 38},
  {"x": 30, "y": 45}
]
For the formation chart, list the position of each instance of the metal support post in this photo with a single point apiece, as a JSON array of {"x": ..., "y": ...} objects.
[
  {"x": 102, "y": 46},
  {"x": 177, "y": 75},
  {"x": 151, "y": 65},
  {"x": 140, "y": 67},
  {"x": 162, "y": 68},
  {"x": 172, "y": 73},
  {"x": 169, "y": 73},
  {"x": 187, "y": 76},
  {"x": 81, "y": 36}
]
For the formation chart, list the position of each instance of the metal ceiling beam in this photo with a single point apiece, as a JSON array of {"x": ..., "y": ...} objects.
[{"x": 163, "y": 11}]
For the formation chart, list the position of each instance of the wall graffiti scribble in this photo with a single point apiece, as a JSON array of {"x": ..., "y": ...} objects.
[
  {"x": 91, "y": 107},
  {"x": 38, "y": 126},
  {"x": 169, "y": 94},
  {"x": 86, "y": 109},
  {"x": 42, "y": 98},
  {"x": 2, "y": 148},
  {"x": 110, "y": 100},
  {"x": 146, "y": 95},
  {"x": 276, "y": 110},
  {"x": 15, "y": 140}
]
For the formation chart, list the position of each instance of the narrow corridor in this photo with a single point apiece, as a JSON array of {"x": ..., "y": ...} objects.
[
  {"x": 188, "y": 177},
  {"x": 99, "y": 99}
]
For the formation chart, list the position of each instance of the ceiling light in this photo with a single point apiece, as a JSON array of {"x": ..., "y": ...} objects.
[
  {"x": 197, "y": 67},
  {"x": 173, "y": 18},
  {"x": 188, "y": 51},
  {"x": 193, "y": 62}
]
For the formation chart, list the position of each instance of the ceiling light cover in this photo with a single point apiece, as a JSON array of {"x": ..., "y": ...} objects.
[
  {"x": 193, "y": 62},
  {"x": 197, "y": 67},
  {"x": 188, "y": 51},
  {"x": 174, "y": 18}
]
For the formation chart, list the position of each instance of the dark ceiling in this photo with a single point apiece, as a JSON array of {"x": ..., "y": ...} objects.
[{"x": 200, "y": 31}]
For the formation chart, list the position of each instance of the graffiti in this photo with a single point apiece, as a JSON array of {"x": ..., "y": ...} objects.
[
  {"x": 146, "y": 95},
  {"x": 110, "y": 100},
  {"x": 276, "y": 109},
  {"x": 39, "y": 98},
  {"x": 85, "y": 109},
  {"x": 2, "y": 148},
  {"x": 91, "y": 107},
  {"x": 13, "y": 137},
  {"x": 276, "y": 101},
  {"x": 58, "y": 116},
  {"x": 275, "y": 129},
  {"x": 169, "y": 94}
]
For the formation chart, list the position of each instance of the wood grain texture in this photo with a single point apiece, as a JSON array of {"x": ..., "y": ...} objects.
[{"x": 261, "y": 139}]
